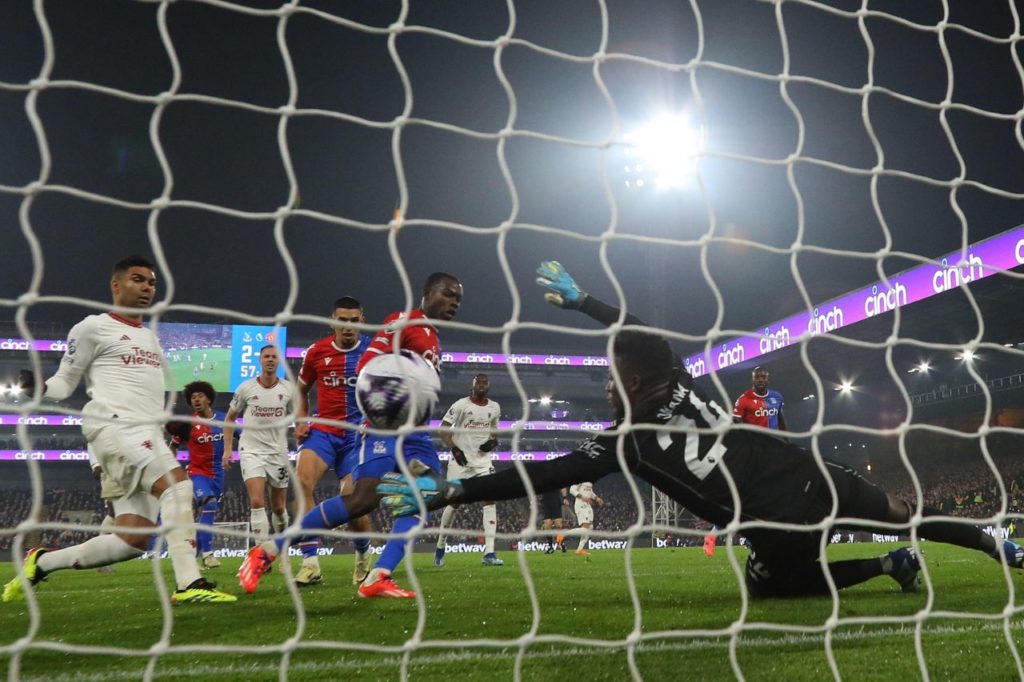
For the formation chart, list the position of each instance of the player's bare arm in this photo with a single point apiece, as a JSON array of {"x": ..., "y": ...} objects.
[{"x": 229, "y": 435}]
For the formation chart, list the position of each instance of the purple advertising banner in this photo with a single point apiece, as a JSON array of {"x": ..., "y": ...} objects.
[
  {"x": 83, "y": 456},
  {"x": 75, "y": 420},
  {"x": 1002, "y": 252}
]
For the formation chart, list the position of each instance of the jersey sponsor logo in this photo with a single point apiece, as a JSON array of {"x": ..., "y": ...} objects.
[
  {"x": 765, "y": 412},
  {"x": 141, "y": 356},
  {"x": 951, "y": 276},
  {"x": 334, "y": 381},
  {"x": 207, "y": 438},
  {"x": 261, "y": 412}
]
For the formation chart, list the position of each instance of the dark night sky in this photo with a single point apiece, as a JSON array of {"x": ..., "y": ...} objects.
[{"x": 230, "y": 157}]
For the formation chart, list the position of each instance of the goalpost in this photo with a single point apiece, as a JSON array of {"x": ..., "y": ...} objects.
[{"x": 714, "y": 166}]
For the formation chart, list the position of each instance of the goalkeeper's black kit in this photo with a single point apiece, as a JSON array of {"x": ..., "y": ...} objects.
[{"x": 775, "y": 481}]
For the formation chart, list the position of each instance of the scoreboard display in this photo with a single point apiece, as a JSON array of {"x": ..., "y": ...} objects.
[{"x": 246, "y": 342}]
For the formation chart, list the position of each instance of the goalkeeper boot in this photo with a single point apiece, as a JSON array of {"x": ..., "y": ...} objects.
[
  {"x": 439, "y": 556},
  {"x": 362, "y": 567},
  {"x": 1010, "y": 552},
  {"x": 905, "y": 567},
  {"x": 492, "y": 560},
  {"x": 34, "y": 575},
  {"x": 256, "y": 565},
  {"x": 384, "y": 586},
  {"x": 202, "y": 591},
  {"x": 709, "y": 545},
  {"x": 210, "y": 561},
  {"x": 308, "y": 576}
]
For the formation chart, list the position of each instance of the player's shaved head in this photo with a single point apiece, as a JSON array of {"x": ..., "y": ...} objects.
[
  {"x": 125, "y": 264},
  {"x": 438, "y": 278},
  {"x": 645, "y": 354}
]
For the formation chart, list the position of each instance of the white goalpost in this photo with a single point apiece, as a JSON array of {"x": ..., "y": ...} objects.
[{"x": 832, "y": 188}]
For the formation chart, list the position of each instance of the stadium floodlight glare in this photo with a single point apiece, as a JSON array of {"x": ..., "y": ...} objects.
[
  {"x": 545, "y": 400},
  {"x": 967, "y": 355},
  {"x": 14, "y": 389},
  {"x": 664, "y": 152},
  {"x": 844, "y": 386},
  {"x": 809, "y": 396},
  {"x": 922, "y": 367}
]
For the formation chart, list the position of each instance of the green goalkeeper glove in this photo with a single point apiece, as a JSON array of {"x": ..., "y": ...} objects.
[
  {"x": 400, "y": 500},
  {"x": 562, "y": 288}
]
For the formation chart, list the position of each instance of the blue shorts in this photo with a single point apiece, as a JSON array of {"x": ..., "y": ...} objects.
[
  {"x": 378, "y": 454},
  {"x": 205, "y": 487},
  {"x": 338, "y": 451}
]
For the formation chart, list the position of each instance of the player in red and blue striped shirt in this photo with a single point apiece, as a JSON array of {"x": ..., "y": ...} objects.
[
  {"x": 329, "y": 366},
  {"x": 205, "y": 443}
]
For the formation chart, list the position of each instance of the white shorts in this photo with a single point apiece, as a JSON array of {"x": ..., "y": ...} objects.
[
  {"x": 584, "y": 513},
  {"x": 132, "y": 457},
  {"x": 274, "y": 468},
  {"x": 140, "y": 504},
  {"x": 471, "y": 470}
]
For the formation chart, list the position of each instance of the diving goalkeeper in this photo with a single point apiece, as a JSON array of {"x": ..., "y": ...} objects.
[{"x": 680, "y": 442}]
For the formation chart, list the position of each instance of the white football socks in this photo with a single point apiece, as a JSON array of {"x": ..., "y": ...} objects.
[
  {"x": 259, "y": 523},
  {"x": 490, "y": 514},
  {"x": 101, "y": 550},
  {"x": 446, "y": 521},
  {"x": 176, "y": 509}
]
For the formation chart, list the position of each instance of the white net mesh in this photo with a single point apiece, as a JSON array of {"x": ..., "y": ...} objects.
[{"x": 255, "y": 149}]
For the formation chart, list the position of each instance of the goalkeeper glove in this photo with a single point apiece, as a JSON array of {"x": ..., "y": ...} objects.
[
  {"x": 459, "y": 456},
  {"x": 400, "y": 500},
  {"x": 562, "y": 289},
  {"x": 489, "y": 445}
]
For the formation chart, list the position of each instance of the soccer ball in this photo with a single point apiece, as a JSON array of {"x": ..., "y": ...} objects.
[{"x": 393, "y": 390}]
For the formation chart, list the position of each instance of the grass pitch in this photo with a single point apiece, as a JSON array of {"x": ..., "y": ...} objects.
[{"x": 475, "y": 618}]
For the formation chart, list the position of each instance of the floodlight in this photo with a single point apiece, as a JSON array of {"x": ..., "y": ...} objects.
[{"x": 666, "y": 151}]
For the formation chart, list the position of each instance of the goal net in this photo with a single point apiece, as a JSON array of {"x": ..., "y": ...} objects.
[{"x": 829, "y": 190}]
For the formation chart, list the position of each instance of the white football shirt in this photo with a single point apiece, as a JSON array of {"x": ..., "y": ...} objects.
[
  {"x": 583, "y": 491},
  {"x": 481, "y": 419},
  {"x": 123, "y": 367},
  {"x": 265, "y": 410}
]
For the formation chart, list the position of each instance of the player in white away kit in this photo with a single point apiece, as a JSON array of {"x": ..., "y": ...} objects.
[
  {"x": 265, "y": 404},
  {"x": 124, "y": 377},
  {"x": 471, "y": 457},
  {"x": 586, "y": 498}
]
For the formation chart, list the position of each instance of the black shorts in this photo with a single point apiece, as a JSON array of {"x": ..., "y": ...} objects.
[
  {"x": 785, "y": 563},
  {"x": 551, "y": 505}
]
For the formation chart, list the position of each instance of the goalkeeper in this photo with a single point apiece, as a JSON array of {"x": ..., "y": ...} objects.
[{"x": 679, "y": 441}]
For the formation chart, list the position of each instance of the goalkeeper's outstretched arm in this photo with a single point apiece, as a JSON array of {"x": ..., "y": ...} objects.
[
  {"x": 562, "y": 291},
  {"x": 577, "y": 466}
]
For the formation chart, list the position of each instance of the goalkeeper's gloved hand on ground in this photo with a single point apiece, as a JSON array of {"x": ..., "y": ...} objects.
[
  {"x": 562, "y": 288},
  {"x": 459, "y": 456},
  {"x": 400, "y": 500},
  {"x": 489, "y": 445}
]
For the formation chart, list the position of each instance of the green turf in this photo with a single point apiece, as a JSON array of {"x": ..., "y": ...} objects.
[
  {"x": 220, "y": 376},
  {"x": 678, "y": 590}
]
